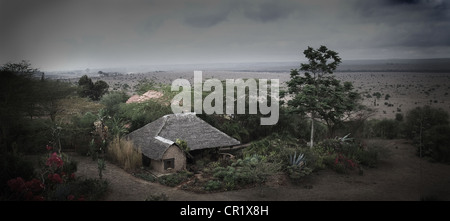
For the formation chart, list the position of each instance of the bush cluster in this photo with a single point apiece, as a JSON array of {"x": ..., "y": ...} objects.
[
  {"x": 344, "y": 157},
  {"x": 175, "y": 179},
  {"x": 54, "y": 180}
]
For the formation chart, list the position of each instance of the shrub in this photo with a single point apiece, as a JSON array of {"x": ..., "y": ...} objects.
[
  {"x": 147, "y": 177},
  {"x": 437, "y": 143},
  {"x": 87, "y": 189},
  {"x": 429, "y": 127},
  {"x": 385, "y": 128},
  {"x": 12, "y": 166},
  {"x": 175, "y": 179},
  {"x": 112, "y": 101},
  {"x": 213, "y": 185},
  {"x": 144, "y": 86},
  {"x": 344, "y": 156},
  {"x": 248, "y": 171},
  {"x": 55, "y": 180},
  {"x": 140, "y": 114}
]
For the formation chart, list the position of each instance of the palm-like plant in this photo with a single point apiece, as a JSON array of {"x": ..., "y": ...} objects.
[{"x": 297, "y": 160}]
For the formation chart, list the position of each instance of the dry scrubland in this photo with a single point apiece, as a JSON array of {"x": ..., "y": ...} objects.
[
  {"x": 401, "y": 176},
  {"x": 405, "y": 90}
]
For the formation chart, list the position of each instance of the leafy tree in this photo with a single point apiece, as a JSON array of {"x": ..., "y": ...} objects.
[
  {"x": 429, "y": 128},
  {"x": 113, "y": 100},
  {"x": 50, "y": 92},
  {"x": 85, "y": 85},
  {"x": 92, "y": 90},
  {"x": 318, "y": 93},
  {"x": 23, "y": 94},
  {"x": 22, "y": 68},
  {"x": 100, "y": 88}
]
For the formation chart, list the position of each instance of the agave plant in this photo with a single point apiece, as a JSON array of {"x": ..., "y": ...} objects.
[
  {"x": 297, "y": 160},
  {"x": 345, "y": 138}
]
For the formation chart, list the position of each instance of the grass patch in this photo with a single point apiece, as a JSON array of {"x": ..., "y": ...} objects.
[{"x": 122, "y": 152}]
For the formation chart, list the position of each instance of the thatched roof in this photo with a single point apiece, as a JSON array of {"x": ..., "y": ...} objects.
[{"x": 156, "y": 137}]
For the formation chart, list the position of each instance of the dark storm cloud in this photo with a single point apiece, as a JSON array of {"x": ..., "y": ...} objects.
[
  {"x": 267, "y": 11},
  {"x": 206, "y": 19},
  {"x": 404, "y": 10},
  {"x": 413, "y": 23},
  {"x": 204, "y": 14},
  {"x": 81, "y": 33}
]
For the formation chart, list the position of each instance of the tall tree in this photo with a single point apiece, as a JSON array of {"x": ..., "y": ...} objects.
[
  {"x": 86, "y": 88},
  {"x": 317, "y": 92},
  {"x": 16, "y": 97}
]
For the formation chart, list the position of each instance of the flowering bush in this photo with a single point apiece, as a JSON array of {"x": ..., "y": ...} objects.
[
  {"x": 342, "y": 164},
  {"x": 29, "y": 190},
  {"x": 54, "y": 161},
  {"x": 57, "y": 182}
]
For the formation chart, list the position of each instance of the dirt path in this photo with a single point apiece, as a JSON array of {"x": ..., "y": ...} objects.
[{"x": 400, "y": 177}]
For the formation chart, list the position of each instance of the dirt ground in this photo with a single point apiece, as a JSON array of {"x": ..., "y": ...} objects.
[{"x": 402, "y": 176}]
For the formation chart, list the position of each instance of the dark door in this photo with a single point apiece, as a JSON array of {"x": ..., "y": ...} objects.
[{"x": 169, "y": 163}]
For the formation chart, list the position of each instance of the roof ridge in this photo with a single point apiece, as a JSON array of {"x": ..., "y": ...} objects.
[
  {"x": 164, "y": 118},
  {"x": 164, "y": 140},
  {"x": 216, "y": 129}
]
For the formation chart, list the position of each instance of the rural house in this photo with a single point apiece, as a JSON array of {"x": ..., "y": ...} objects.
[{"x": 157, "y": 140}]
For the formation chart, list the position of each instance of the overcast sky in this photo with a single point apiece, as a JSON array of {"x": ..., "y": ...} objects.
[{"x": 78, "y": 34}]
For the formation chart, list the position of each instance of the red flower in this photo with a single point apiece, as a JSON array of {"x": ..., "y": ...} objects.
[
  {"x": 72, "y": 176},
  {"x": 17, "y": 184},
  {"x": 55, "y": 178},
  {"x": 54, "y": 160},
  {"x": 70, "y": 197},
  {"x": 35, "y": 185},
  {"x": 49, "y": 147}
]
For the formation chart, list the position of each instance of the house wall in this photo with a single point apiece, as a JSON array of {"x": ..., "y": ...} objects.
[{"x": 172, "y": 152}]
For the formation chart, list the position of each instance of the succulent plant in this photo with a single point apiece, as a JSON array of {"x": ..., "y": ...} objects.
[{"x": 297, "y": 160}]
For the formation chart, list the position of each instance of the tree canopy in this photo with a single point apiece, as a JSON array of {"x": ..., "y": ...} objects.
[
  {"x": 92, "y": 90},
  {"x": 318, "y": 93},
  {"x": 24, "y": 95}
]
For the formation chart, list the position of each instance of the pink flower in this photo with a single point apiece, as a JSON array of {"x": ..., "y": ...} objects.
[
  {"x": 49, "y": 147},
  {"x": 72, "y": 176}
]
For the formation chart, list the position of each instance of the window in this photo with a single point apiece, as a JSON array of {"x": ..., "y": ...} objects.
[{"x": 169, "y": 163}]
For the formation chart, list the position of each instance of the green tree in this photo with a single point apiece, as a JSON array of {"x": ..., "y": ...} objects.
[
  {"x": 112, "y": 101},
  {"x": 17, "y": 99},
  {"x": 318, "y": 93},
  {"x": 86, "y": 88},
  {"x": 429, "y": 128},
  {"x": 49, "y": 93},
  {"x": 26, "y": 93},
  {"x": 100, "y": 88}
]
